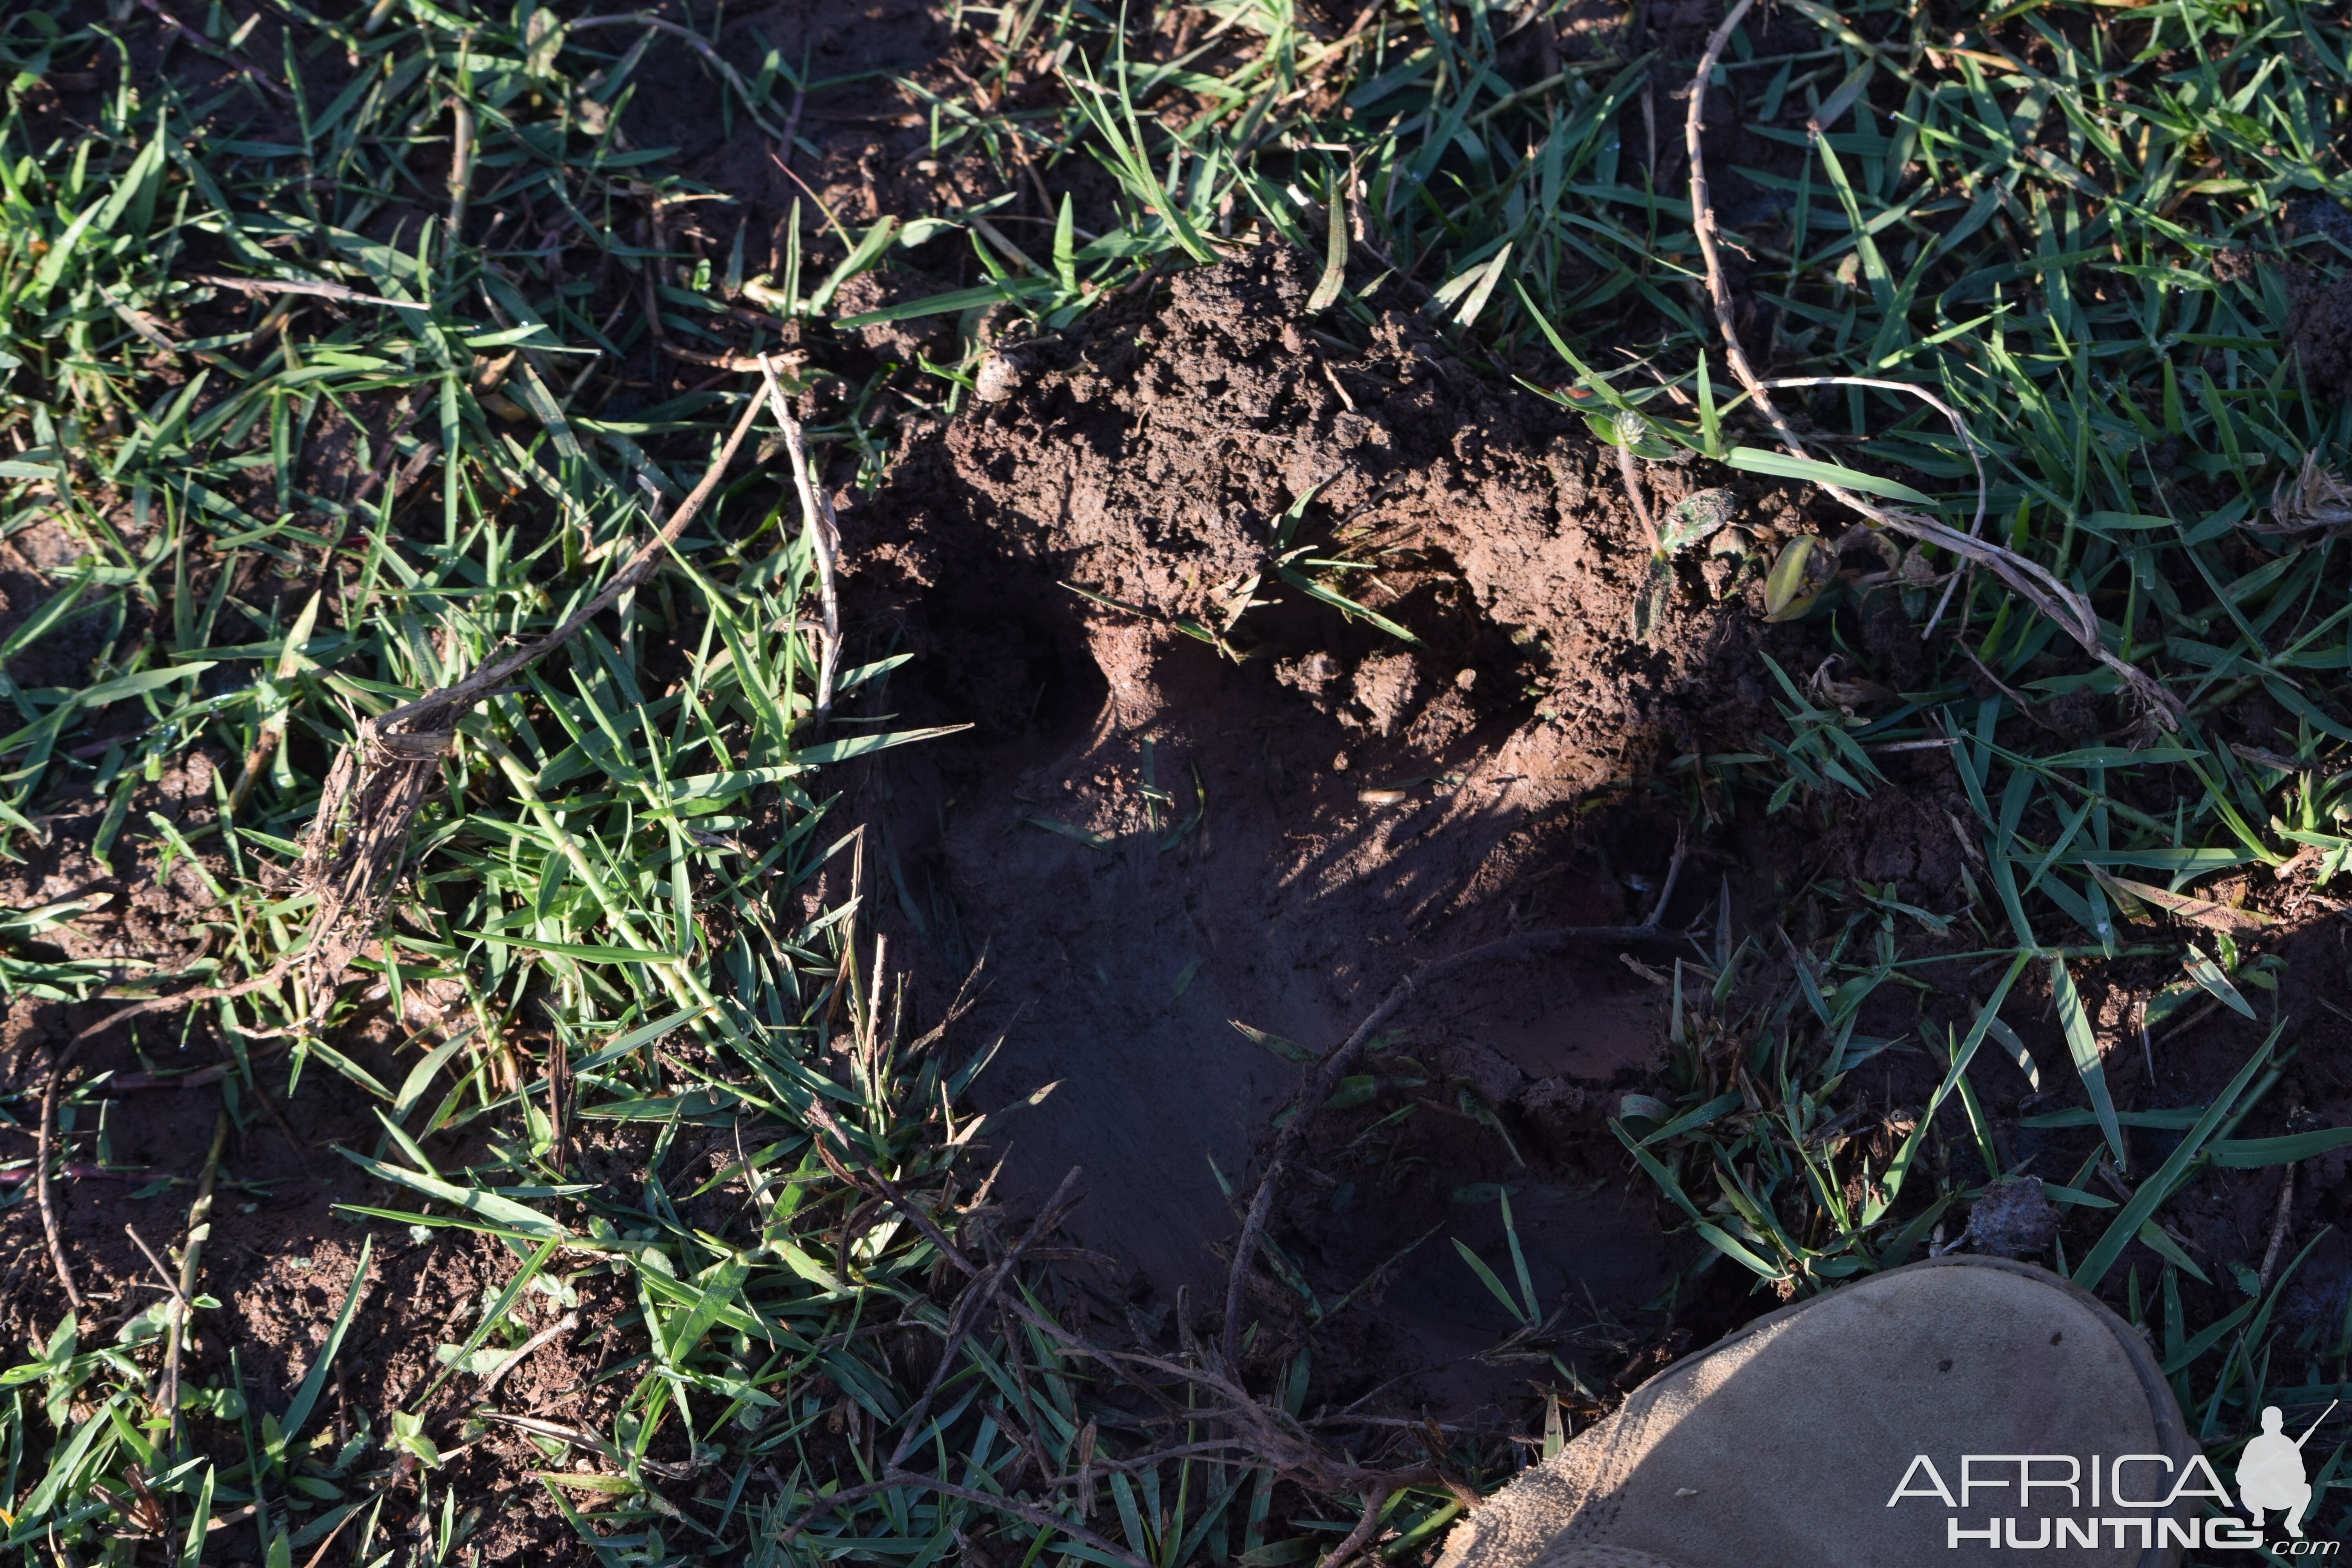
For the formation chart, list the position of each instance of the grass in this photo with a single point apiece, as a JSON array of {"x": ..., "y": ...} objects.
[{"x": 2068, "y": 222}]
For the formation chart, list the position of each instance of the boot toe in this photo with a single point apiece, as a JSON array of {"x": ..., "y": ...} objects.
[{"x": 1799, "y": 1441}]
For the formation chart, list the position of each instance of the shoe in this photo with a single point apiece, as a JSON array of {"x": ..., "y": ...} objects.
[{"x": 1930, "y": 1414}]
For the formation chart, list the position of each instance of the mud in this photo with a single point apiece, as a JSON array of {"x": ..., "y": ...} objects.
[{"x": 1153, "y": 845}]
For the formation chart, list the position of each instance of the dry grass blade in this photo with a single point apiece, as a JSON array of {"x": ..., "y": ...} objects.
[
  {"x": 824, "y": 539},
  {"x": 2315, "y": 499},
  {"x": 192, "y": 1263},
  {"x": 2199, "y": 911},
  {"x": 335, "y": 291},
  {"x": 45, "y": 1139}
]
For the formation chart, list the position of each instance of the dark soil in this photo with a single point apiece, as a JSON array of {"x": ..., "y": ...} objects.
[
  {"x": 1365, "y": 805},
  {"x": 2321, "y": 328}
]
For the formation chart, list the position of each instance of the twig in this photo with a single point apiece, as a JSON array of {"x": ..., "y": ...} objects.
[
  {"x": 1252, "y": 1228},
  {"x": 2281, "y": 1218},
  {"x": 487, "y": 679},
  {"x": 2029, "y": 580},
  {"x": 1162, "y": 1456},
  {"x": 41, "y": 1167},
  {"x": 335, "y": 291},
  {"x": 375, "y": 786},
  {"x": 262, "y": 982},
  {"x": 380, "y": 779},
  {"x": 2182, "y": 1028},
  {"x": 1357, "y": 1538},
  {"x": 461, "y": 167},
  {"x": 974, "y": 1301},
  {"x": 1959, "y": 428},
  {"x": 1335, "y": 1065},
  {"x": 200, "y": 1228},
  {"x": 1629, "y": 472},
  {"x": 824, "y": 541},
  {"x": 169, "y": 1393},
  {"x": 521, "y": 1352}
]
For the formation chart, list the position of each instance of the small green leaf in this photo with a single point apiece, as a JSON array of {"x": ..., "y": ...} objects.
[
  {"x": 2084, "y": 1046},
  {"x": 2208, "y": 974},
  {"x": 315, "y": 1382},
  {"x": 1086, "y": 836},
  {"x": 1487, "y": 1278},
  {"x": 1780, "y": 465},
  {"x": 1797, "y": 578},
  {"x": 1288, "y": 1051}
]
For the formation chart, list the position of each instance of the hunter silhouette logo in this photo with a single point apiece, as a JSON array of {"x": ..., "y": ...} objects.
[{"x": 2270, "y": 1472}]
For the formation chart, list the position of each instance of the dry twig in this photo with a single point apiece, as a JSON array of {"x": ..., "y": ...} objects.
[
  {"x": 379, "y": 781},
  {"x": 824, "y": 541},
  {"x": 522, "y": 1353},
  {"x": 2281, "y": 1220},
  {"x": 41, "y": 1168},
  {"x": 1356, "y": 1540},
  {"x": 360, "y": 832},
  {"x": 192, "y": 1262}
]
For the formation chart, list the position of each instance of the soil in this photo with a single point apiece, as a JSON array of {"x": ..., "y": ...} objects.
[
  {"x": 2321, "y": 326},
  {"x": 1363, "y": 804}
]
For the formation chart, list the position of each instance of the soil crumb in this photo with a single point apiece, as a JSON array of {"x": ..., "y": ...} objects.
[{"x": 1186, "y": 867}]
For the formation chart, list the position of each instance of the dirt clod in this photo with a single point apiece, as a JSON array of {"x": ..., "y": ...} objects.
[{"x": 2014, "y": 1219}]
